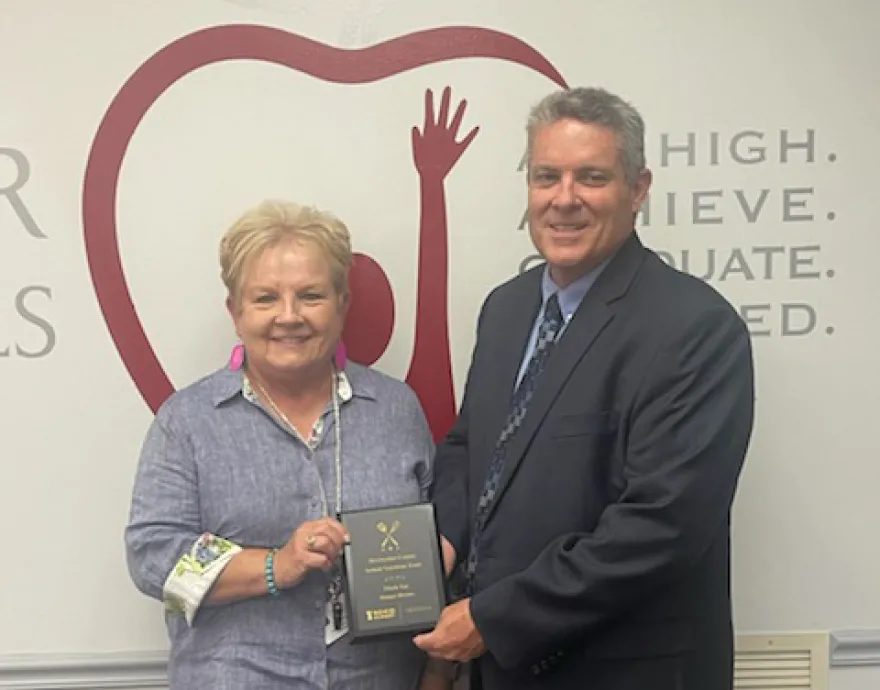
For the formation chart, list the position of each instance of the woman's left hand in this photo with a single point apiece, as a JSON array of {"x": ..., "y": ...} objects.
[{"x": 315, "y": 545}]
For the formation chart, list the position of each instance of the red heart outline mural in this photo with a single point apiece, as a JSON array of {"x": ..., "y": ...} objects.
[{"x": 430, "y": 372}]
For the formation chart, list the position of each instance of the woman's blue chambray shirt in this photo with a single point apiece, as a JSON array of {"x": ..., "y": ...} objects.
[{"x": 216, "y": 465}]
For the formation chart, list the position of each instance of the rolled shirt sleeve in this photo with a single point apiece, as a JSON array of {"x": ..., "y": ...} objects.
[
  {"x": 192, "y": 576},
  {"x": 169, "y": 557}
]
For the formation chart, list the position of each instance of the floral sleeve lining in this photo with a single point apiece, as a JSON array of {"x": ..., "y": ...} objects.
[{"x": 195, "y": 573}]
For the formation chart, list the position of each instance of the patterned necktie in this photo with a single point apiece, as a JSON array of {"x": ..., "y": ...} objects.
[{"x": 547, "y": 333}]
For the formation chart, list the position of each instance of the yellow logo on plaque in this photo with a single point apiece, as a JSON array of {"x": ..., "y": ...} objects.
[{"x": 389, "y": 543}]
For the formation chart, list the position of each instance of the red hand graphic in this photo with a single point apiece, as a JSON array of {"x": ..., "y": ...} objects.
[{"x": 435, "y": 152}]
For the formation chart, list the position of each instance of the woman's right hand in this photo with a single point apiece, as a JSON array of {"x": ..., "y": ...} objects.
[{"x": 315, "y": 545}]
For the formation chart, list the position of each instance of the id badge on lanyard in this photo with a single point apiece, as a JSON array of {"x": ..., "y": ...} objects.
[{"x": 335, "y": 618}]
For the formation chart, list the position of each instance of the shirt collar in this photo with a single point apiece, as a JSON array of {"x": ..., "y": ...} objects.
[
  {"x": 350, "y": 383},
  {"x": 571, "y": 296}
]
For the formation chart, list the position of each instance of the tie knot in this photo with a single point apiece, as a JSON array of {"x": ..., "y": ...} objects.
[{"x": 552, "y": 312}]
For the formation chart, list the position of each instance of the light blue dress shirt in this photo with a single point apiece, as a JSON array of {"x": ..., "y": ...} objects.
[{"x": 570, "y": 298}]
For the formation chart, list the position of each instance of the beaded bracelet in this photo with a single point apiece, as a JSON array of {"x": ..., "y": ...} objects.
[{"x": 270, "y": 573}]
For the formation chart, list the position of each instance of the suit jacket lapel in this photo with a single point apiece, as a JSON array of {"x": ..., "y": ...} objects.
[
  {"x": 507, "y": 358},
  {"x": 594, "y": 314}
]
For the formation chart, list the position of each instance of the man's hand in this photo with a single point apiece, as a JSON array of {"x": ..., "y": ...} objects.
[
  {"x": 455, "y": 638},
  {"x": 448, "y": 555}
]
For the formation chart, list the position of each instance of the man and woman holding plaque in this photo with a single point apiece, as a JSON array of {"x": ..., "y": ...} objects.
[{"x": 583, "y": 495}]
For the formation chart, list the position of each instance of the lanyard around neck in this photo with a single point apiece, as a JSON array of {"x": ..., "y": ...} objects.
[{"x": 337, "y": 451}]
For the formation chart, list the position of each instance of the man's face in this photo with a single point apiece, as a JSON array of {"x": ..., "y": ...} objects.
[{"x": 581, "y": 207}]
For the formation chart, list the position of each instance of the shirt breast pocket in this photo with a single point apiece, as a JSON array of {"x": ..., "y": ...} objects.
[{"x": 601, "y": 423}]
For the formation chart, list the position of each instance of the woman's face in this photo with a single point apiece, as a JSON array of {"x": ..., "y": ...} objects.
[{"x": 288, "y": 314}]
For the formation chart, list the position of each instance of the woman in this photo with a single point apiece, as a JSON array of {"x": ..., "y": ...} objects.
[{"x": 241, "y": 474}]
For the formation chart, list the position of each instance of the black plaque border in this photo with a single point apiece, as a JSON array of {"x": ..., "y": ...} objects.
[{"x": 356, "y": 632}]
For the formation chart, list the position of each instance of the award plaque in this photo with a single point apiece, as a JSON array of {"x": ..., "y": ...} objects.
[{"x": 394, "y": 571}]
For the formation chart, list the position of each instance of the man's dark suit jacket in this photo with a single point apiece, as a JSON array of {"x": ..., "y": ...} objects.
[{"x": 605, "y": 560}]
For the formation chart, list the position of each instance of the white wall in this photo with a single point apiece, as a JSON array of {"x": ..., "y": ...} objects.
[
  {"x": 855, "y": 679},
  {"x": 752, "y": 73}
]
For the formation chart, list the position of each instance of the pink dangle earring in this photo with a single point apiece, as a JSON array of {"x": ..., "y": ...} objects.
[
  {"x": 236, "y": 359},
  {"x": 339, "y": 357}
]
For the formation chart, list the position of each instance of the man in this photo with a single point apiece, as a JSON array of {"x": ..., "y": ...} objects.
[{"x": 586, "y": 488}]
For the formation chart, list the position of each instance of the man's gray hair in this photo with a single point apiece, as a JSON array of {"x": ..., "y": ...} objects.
[{"x": 598, "y": 107}]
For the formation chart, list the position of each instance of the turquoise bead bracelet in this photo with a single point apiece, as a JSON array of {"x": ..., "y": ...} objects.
[{"x": 270, "y": 573}]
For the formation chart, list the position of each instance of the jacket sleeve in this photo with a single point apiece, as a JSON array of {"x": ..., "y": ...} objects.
[{"x": 449, "y": 492}]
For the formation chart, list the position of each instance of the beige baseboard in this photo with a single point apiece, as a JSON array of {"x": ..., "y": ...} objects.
[
  {"x": 85, "y": 671},
  {"x": 147, "y": 670}
]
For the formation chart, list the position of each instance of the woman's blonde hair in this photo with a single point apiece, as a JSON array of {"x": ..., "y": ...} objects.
[{"x": 272, "y": 222}]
